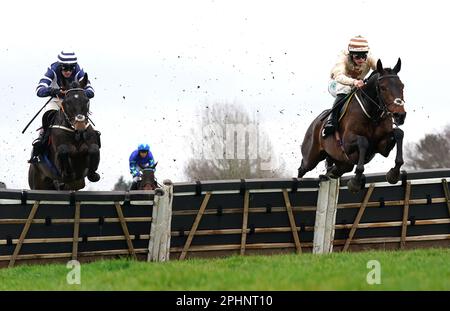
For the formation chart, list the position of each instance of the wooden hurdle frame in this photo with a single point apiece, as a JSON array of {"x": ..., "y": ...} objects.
[
  {"x": 159, "y": 201},
  {"x": 222, "y": 218}
]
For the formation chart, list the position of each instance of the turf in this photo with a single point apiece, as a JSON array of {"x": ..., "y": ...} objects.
[{"x": 426, "y": 269}]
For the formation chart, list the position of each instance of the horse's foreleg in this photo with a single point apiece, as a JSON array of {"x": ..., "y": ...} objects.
[
  {"x": 394, "y": 173},
  {"x": 355, "y": 183},
  {"x": 94, "y": 160},
  {"x": 63, "y": 154}
]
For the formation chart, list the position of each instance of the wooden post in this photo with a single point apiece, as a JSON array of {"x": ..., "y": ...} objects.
[
  {"x": 23, "y": 234},
  {"x": 326, "y": 216},
  {"x": 405, "y": 215},
  {"x": 76, "y": 230},
  {"x": 358, "y": 217},
  {"x": 298, "y": 246},
  {"x": 159, "y": 244},
  {"x": 125, "y": 230},
  {"x": 447, "y": 194},
  {"x": 195, "y": 225},
  {"x": 244, "y": 222}
]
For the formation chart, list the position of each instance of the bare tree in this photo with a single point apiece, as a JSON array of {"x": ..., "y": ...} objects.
[
  {"x": 122, "y": 185},
  {"x": 432, "y": 151},
  {"x": 228, "y": 144}
]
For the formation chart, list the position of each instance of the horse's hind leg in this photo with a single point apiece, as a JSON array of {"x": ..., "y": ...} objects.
[
  {"x": 37, "y": 181},
  {"x": 310, "y": 162},
  {"x": 339, "y": 169},
  {"x": 329, "y": 164}
]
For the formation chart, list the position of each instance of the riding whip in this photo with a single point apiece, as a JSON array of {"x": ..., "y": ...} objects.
[{"x": 36, "y": 114}]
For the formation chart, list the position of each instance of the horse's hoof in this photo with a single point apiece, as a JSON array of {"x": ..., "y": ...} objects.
[
  {"x": 353, "y": 186},
  {"x": 392, "y": 176},
  {"x": 331, "y": 175},
  {"x": 159, "y": 192},
  {"x": 94, "y": 177}
]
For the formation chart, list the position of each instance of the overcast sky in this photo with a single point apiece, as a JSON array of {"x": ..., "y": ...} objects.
[{"x": 156, "y": 64}]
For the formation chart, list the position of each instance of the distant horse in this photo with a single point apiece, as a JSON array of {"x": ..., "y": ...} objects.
[
  {"x": 73, "y": 152},
  {"x": 366, "y": 128},
  {"x": 148, "y": 180}
]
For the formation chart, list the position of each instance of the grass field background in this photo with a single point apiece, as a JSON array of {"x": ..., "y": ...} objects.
[{"x": 400, "y": 270}]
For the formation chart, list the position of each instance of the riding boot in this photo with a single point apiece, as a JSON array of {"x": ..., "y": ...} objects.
[
  {"x": 332, "y": 121},
  {"x": 38, "y": 147},
  {"x": 39, "y": 143}
]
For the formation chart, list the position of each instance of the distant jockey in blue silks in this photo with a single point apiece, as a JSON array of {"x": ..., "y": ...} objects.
[{"x": 139, "y": 159}]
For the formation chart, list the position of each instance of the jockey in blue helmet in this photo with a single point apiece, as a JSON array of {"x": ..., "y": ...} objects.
[{"x": 139, "y": 159}]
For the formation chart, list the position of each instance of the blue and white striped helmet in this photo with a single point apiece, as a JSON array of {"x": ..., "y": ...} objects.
[
  {"x": 67, "y": 58},
  {"x": 143, "y": 147}
]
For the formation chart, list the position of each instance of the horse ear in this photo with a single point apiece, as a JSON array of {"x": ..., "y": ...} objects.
[
  {"x": 84, "y": 81},
  {"x": 398, "y": 66},
  {"x": 380, "y": 68}
]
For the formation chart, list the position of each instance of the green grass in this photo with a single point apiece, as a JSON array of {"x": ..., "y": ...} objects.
[{"x": 401, "y": 270}]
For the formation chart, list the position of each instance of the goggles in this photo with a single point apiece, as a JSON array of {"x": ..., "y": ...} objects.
[
  {"x": 67, "y": 67},
  {"x": 360, "y": 56}
]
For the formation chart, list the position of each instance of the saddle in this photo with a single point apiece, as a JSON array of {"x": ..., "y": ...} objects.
[{"x": 344, "y": 108}]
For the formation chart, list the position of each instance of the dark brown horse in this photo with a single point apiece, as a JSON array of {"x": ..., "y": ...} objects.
[
  {"x": 148, "y": 180},
  {"x": 366, "y": 128},
  {"x": 73, "y": 152}
]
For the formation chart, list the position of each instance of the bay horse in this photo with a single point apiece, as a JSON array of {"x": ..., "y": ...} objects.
[
  {"x": 148, "y": 180},
  {"x": 74, "y": 146},
  {"x": 366, "y": 128}
]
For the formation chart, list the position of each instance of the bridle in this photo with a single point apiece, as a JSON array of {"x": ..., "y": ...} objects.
[
  {"x": 150, "y": 180},
  {"x": 78, "y": 118},
  {"x": 381, "y": 105}
]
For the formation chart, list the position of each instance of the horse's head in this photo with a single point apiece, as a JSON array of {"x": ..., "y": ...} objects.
[
  {"x": 390, "y": 91},
  {"x": 76, "y": 104},
  {"x": 148, "y": 181}
]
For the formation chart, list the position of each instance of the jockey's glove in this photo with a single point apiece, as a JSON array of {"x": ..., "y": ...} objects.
[{"x": 54, "y": 91}]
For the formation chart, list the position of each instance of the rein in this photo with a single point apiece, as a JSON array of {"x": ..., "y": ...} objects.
[
  {"x": 383, "y": 106},
  {"x": 67, "y": 119}
]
